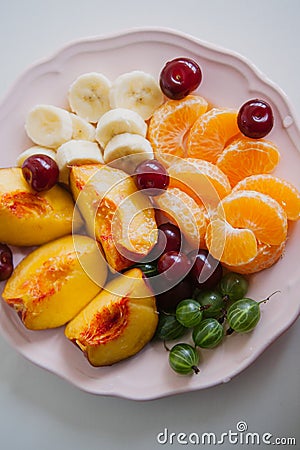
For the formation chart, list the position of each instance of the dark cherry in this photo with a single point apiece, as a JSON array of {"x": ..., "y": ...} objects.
[
  {"x": 173, "y": 266},
  {"x": 40, "y": 171},
  {"x": 206, "y": 271},
  {"x": 6, "y": 262},
  {"x": 180, "y": 77},
  {"x": 169, "y": 237},
  {"x": 152, "y": 177},
  {"x": 255, "y": 119},
  {"x": 168, "y": 300}
]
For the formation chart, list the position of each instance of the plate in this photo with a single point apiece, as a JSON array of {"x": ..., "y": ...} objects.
[{"x": 228, "y": 80}]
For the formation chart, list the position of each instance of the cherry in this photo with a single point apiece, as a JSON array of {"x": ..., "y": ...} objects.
[
  {"x": 152, "y": 177},
  {"x": 169, "y": 237},
  {"x": 255, "y": 119},
  {"x": 179, "y": 77},
  {"x": 40, "y": 171},
  {"x": 174, "y": 266},
  {"x": 206, "y": 271},
  {"x": 6, "y": 262},
  {"x": 168, "y": 300}
]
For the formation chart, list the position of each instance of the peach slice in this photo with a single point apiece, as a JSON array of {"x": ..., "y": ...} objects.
[
  {"x": 118, "y": 322},
  {"x": 54, "y": 282},
  {"x": 29, "y": 218},
  {"x": 119, "y": 216}
]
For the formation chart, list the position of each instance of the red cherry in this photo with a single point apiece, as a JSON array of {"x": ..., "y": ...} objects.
[
  {"x": 206, "y": 271},
  {"x": 152, "y": 177},
  {"x": 174, "y": 266},
  {"x": 180, "y": 77},
  {"x": 6, "y": 262},
  {"x": 169, "y": 237},
  {"x": 40, "y": 171},
  {"x": 168, "y": 300},
  {"x": 255, "y": 119}
]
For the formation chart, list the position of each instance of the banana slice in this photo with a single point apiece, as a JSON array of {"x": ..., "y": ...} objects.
[
  {"x": 89, "y": 96},
  {"x": 118, "y": 121},
  {"x": 76, "y": 152},
  {"x": 35, "y": 150},
  {"x": 137, "y": 91},
  {"x": 125, "y": 151},
  {"x": 82, "y": 129},
  {"x": 48, "y": 126}
]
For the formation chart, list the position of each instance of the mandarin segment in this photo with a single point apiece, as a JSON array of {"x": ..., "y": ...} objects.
[
  {"x": 231, "y": 246},
  {"x": 257, "y": 212},
  {"x": 267, "y": 255},
  {"x": 245, "y": 157},
  {"x": 170, "y": 124},
  {"x": 211, "y": 132},
  {"x": 202, "y": 180},
  {"x": 179, "y": 207},
  {"x": 281, "y": 190}
]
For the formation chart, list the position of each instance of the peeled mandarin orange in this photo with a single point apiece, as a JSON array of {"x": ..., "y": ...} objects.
[
  {"x": 267, "y": 255},
  {"x": 211, "y": 132},
  {"x": 180, "y": 208},
  {"x": 231, "y": 246},
  {"x": 202, "y": 180},
  {"x": 281, "y": 190},
  {"x": 245, "y": 157},
  {"x": 170, "y": 124},
  {"x": 257, "y": 212}
]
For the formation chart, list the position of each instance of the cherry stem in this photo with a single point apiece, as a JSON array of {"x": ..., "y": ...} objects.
[{"x": 268, "y": 298}]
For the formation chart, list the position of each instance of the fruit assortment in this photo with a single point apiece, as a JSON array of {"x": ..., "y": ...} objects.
[{"x": 175, "y": 196}]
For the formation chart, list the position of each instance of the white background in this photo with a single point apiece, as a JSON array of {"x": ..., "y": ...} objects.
[{"x": 37, "y": 409}]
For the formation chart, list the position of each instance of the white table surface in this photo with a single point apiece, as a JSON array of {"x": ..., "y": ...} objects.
[{"x": 38, "y": 410}]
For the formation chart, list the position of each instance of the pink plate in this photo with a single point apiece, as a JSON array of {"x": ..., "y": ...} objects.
[{"x": 228, "y": 80}]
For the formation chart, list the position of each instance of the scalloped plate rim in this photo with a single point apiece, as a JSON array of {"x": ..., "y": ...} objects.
[{"x": 160, "y": 33}]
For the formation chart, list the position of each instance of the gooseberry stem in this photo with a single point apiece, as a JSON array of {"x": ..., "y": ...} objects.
[
  {"x": 229, "y": 331},
  {"x": 223, "y": 316},
  {"x": 166, "y": 348},
  {"x": 268, "y": 298},
  {"x": 196, "y": 369},
  {"x": 204, "y": 307},
  {"x": 226, "y": 298}
]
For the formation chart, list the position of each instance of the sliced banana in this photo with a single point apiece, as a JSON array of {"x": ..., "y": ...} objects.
[
  {"x": 35, "y": 150},
  {"x": 89, "y": 96},
  {"x": 48, "y": 126},
  {"x": 76, "y": 152},
  {"x": 125, "y": 151},
  {"x": 82, "y": 129},
  {"x": 118, "y": 121},
  {"x": 138, "y": 91}
]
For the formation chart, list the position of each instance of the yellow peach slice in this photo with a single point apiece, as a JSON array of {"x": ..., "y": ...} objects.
[
  {"x": 119, "y": 216},
  {"x": 118, "y": 322},
  {"x": 54, "y": 282},
  {"x": 29, "y": 218}
]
